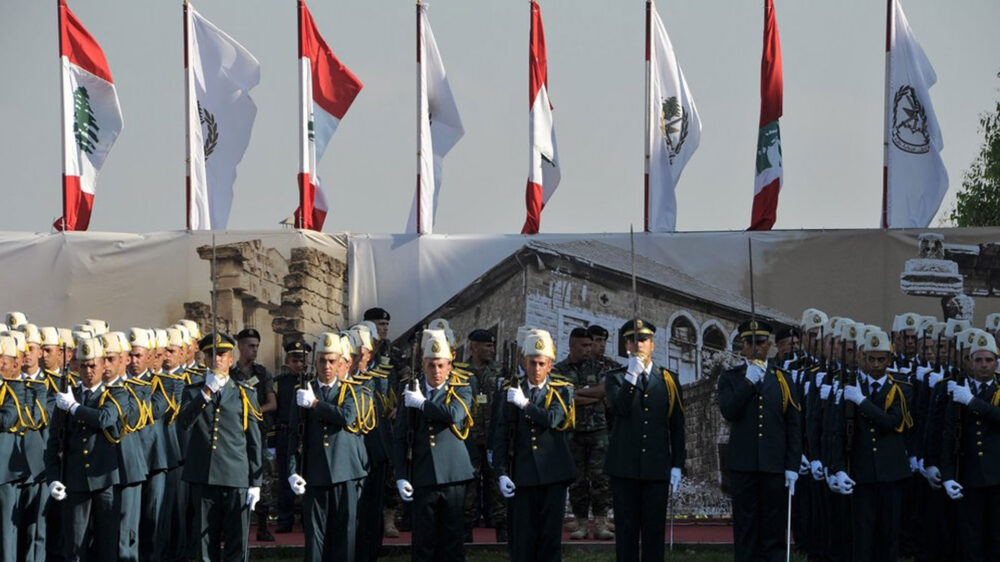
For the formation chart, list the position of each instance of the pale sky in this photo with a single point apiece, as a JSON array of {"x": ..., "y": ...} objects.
[{"x": 831, "y": 130}]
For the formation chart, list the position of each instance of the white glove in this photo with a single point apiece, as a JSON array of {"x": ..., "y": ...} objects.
[
  {"x": 845, "y": 483},
  {"x": 65, "y": 400},
  {"x": 516, "y": 397},
  {"x": 253, "y": 496},
  {"x": 298, "y": 484},
  {"x": 804, "y": 465},
  {"x": 920, "y": 467},
  {"x": 954, "y": 489},
  {"x": 754, "y": 373},
  {"x": 634, "y": 370},
  {"x": 962, "y": 394},
  {"x": 833, "y": 483},
  {"x": 914, "y": 465},
  {"x": 790, "y": 477},
  {"x": 854, "y": 394},
  {"x": 57, "y": 490},
  {"x": 213, "y": 383},
  {"x": 952, "y": 385},
  {"x": 305, "y": 397},
  {"x": 824, "y": 392},
  {"x": 405, "y": 490},
  {"x": 506, "y": 487},
  {"x": 934, "y": 476},
  {"x": 675, "y": 479},
  {"x": 934, "y": 378},
  {"x": 817, "y": 470},
  {"x": 922, "y": 373},
  {"x": 414, "y": 399}
]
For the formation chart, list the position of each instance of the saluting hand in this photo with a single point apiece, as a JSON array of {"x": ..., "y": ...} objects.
[{"x": 634, "y": 370}]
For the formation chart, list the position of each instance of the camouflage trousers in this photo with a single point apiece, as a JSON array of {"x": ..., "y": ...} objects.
[
  {"x": 482, "y": 495},
  {"x": 269, "y": 483},
  {"x": 592, "y": 490}
]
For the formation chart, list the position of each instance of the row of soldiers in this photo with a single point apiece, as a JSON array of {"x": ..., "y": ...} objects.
[{"x": 900, "y": 438}]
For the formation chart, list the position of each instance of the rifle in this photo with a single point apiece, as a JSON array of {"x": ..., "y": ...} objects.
[
  {"x": 64, "y": 426},
  {"x": 510, "y": 359},
  {"x": 411, "y": 427},
  {"x": 304, "y": 412},
  {"x": 959, "y": 379}
]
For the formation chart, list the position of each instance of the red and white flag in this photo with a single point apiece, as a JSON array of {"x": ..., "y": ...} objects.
[
  {"x": 543, "y": 170},
  {"x": 767, "y": 183},
  {"x": 92, "y": 118},
  {"x": 440, "y": 126},
  {"x": 326, "y": 90}
]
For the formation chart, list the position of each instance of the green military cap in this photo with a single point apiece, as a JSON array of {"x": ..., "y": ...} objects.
[
  {"x": 221, "y": 342},
  {"x": 638, "y": 328}
]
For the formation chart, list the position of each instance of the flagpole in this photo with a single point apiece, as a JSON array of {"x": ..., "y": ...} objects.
[
  {"x": 300, "y": 220},
  {"x": 647, "y": 116},
  {"x": 62, "y": 107},
  {"x": 420, "y": 90},
  {"x": 885, "y": 115},
  {"x": 189, "y": 160}
]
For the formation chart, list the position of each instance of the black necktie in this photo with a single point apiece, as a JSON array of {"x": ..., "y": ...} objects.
[
  {"x": 532, "y": 394},
  {"x": 324, "y": 391},
  {"x": 875, "y": 387},
  {"x": 86, "y": 396},
  {"x": 430, "y": 395}
]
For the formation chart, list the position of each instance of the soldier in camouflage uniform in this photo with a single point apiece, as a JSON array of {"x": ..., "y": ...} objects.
[
  {"x": 589, "y": 442},
  {"x": 599, "y": 334},
  {"x": 482, "y": 495}
]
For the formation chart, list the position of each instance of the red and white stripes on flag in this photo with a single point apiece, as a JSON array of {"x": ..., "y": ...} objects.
[
  {"x": 91, "y": 118},
  {"x": 326, "y": 90},
  {"x": 767, "y": 183},
  {"x": 543, "y": 170},
  {"x": 439, "y": 126}
]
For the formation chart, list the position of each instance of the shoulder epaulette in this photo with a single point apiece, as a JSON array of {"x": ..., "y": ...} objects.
[
  {"x": 457, "y": 380},
  {"x": 116, "y": 386},
  {"x": 170, "y": 376},
  {"x": 900, "y": 381},
  {"x": 461, "y": 365},
  {"x": 29, "y": 382},
  {"x": 352, "y": 380},
  {"x": 558, "y": 377},
  {"x": 245, "y": 385},
  {"x": 559, "y": 382},
  {"x": 460, "y": 374},
  {"x": 137, "y": 382},
  {"x": 361, "y": 378}
]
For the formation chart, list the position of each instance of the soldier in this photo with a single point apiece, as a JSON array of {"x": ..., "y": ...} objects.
[
  {"x": 56, "y": 363},
  {"x": 329, "y": 454},
  {"x": 482, "y": 494},
  {"x": 431, "y": 462},
  {"x": 533, "y": 455},
  {"x": 92, "y": 416},
  {"x": 132, "y": 463},
  {"x": 871, "y": 448},
  {"x": 765, "y": 446},
  {"x": 296, "y": 352},
  {"x": 223, "y": 464},
  {"x": 971, "y": 451},
  {"x": 589, "y": 440},
  {"x": 14, "y": 470},
  {"x": 646, "y": 450},
  {"x": 247, "y": 370},
  {"x": 36, "y": 406},
  {"x": 598, "y": 349}
]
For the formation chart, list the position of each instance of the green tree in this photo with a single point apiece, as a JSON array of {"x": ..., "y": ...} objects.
[{"x": 978, "y": 202}]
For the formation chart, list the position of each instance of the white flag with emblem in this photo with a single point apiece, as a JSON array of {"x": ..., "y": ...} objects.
[
  {"x": 220, "y": 74},
  {"x": 674, "y": 127},
  {"x": 915, "y": 177}
]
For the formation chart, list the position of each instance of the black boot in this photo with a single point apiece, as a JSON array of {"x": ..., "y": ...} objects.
[
  {"x": 263, "y": 535},
  {"x": 501, "y": 534}
]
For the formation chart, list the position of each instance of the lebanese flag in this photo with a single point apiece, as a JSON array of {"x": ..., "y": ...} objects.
[
  {"x": 768, "y": 181},
  {"x": 326, "y": 89},
  {"x": 543, "y": 170},
  {"x": 92, "y": 118}
]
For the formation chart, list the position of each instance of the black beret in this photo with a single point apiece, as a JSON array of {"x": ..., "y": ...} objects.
[
  {"x": 482, "y": 336},
  {"x": 637, "y": 328},
  {"x": 221, "y": 342},
  {"x": 376, "y": 314},
  {"x": 247, "y": 333},
  {"x": 786, "y": 332},
  {"x": 757, "y": 328},
  {"x": 597, "y": 331},
  {"x": 297, "y": 346},
  {"x": 580, "y": 333}
]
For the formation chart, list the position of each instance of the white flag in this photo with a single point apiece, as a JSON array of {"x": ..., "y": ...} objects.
[
  {"x": 674, "y": 127},
  {"x": 439, "y": 123},
  {"x": 916, "y": 180},
  {"x": 220, "y": 118}
]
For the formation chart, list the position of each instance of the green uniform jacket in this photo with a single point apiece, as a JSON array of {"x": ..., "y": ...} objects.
[
  {"x": 439, "y": 431},
  {"x": 37, "y": 406},
  {"x": 647, "y": 438},
  {"x": 376, "y": 398},
  {"x": 159, "y": 438},
  {"x": 764, "y": 422},
  {"x": 977, "y": 464},
  {"x": 91, "y": 456},
  {"x": 133, "y": 467},
  {"x": 15, "y": 466},
  {"x": 224, "y": 443},
  {"x": 333, "y": 448},
  {"x": 878, "y": 444},
  {"x": 541, "y": 445}
]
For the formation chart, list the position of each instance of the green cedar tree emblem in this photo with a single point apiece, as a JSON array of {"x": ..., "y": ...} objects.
[
  {"x": 212, "y": 130},
  {"x": 768, "y": 147},
  {"x": 673, "y": 125},
  {"x": 85, "y": 126}
]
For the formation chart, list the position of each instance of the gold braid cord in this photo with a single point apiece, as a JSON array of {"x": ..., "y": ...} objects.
[
  {"x": 121, "y": 415},
  {"x": 570, "y": 413},
  {"x": 172, "y": 405},
  {"x": 462, "y": 433},
  {"x": 672, "y": 393},
  {"x": 31, "y": 424},
  {"x": 786, "y": 393},
  {"x": 5, "y": 391},
  {"x": 359, "y": 422},
  {"x": 248, "y": 409},
  {"x": 890, "y": 398},
  {"x": 141, "y": 422},
  {"x": 369, "y": 419}
]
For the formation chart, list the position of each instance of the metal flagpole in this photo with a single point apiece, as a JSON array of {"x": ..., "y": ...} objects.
[
  {"x": 188, "y": 82},
  {"x": 215, "y": 317},
  {"x": 304, "y": 117},
  {"x": 885, "y": 115},
  {"x": 648, "y": 114},
  {"x": 420, "y": 90},
  {"x": 62, "y": 105}
]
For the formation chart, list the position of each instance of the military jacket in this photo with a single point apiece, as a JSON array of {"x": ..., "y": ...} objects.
[
  {"x": 92, "y": 435},
  {"x": 584, "y": 375},
  {"x": 541, "y": 453},
  {"x": 158, "y": 438},
  {"x": 133, "y": 467},
  {"x": 876, "y": 451},
  {"x": 14, "y": 466},
  {"x": 192, "y": 375},
  {"x": 764, "y": 421},
  {"x": 332, "y": 449},
  {"x": 37, "y": 405},
  {"x": 374, "y": 403},
  {"x": 971, "y": 439},
  {"x": 224, "y": 440},
  {"x": 285, "y": 385},
  {"x": 439, "y": 430},
  {"x": 647, "y": 439},
  {"x": 488, "y": 379}
]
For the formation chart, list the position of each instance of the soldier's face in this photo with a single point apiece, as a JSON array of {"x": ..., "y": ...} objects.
[
  {"x": 756, "y": 348},
  {"x": 52, "y": 357},
  {"x": 327, "y": 367},
  {"x": 248, "y": 349},
  {"x": 984, "y": 365},
  {"x": 8, "y": 367},
  {"x": 876, "y": 363},
  {"x": 785, "y": 347},
  {"x": 536, "y": 368},
  {"x": 296, "y": 362},
  {"x": 600, "y": 344},
  {"x": 643, "y": 347},
  {"x": 482, "y": 351},
  {"x": 172, "y": 358},
  {"x": 909, "y": 343},
  {"x": 31, "y": 357},
  {"x": 383, "y": 329},
  {"x": 220, "y": 362},
  {"x": 91, "y": 371},
  {"x": 579, "y": 348},
  {"x": 137, "y": 360},
  {"x": 114, "y": 365},
  {"x": 436, "y": 371}
]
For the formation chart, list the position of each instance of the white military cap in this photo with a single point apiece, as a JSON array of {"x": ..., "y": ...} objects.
[
  {"x": 81, "y": 335},
  {"x": 532, "y": 332},
  {"x": 372, "y": 328},
  {"x": 993, "y": 321},
  {"x": 362, "y": 336},
  {"x": 185, "y": 334},
  {"x": 4, "y": 328},
  {"x": 967, "y": 337},
  {"x": 85, "y": 328},
  {"x": 539, "y": 343},
  {"x": 31, "y": 334},
  {"x": 16, "y": 319},
  {"x": 161, "y": 338},
  {"x": 139, "y": 337},
  {"x": 830, "y": 326},
  {"x": 984, "y": 342},
  {"x": 8, "y": 346},
  {"x": 174, "y": 338},
  {"x": 329, "y": 342},
  {"x": 21, "y": 344},
  {"x": 101, "y": 327},
  {"x": 435, "y": 345},
  {"x": 346, "y": 345},
  {"x": 49, "y": 335},
  {"x": 877, "y": 340},
  {"x": 936, "y": 330},
  {"x": 89, "y": 348},
  {"x": 111, "y": 343},
  {"x": 66, "y": 336},
  {"x": 123, "y": 341},
  {"x": 192, "y": 327},
  {"x": 906, "y": 321},
  {"x": 955, "y": 326},
  {"x": 438, "y": 324},
  {"x": 813, "y": 319},
  {"x": 522, "y": 331}
]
